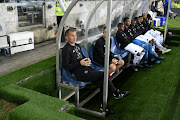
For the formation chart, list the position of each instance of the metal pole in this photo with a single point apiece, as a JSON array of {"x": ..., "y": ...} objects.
[
  {"x": 166, "y": 21},
  {"x": 58, "y": 43},
  {"x": 107, "y": 50},
  {"x": 89, "y": 21}
]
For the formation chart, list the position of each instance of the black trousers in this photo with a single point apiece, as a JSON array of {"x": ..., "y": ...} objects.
[
  {"x": 58, "y": 22},
  {"x": 96, "y": 77}
]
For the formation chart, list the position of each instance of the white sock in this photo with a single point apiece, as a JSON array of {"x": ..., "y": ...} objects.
[
  {"x": 140, "y": 57},
  {"x": 135, "y": 60}
]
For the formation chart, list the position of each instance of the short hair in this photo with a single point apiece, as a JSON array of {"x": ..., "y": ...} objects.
[
  {"x": 135, "y": 18},
  {"x": 104, "y": 28},
  {"x": 148, "y": 16},
  {"x": 143, "y": 14},
  {"x": 69, "y": 30},
  {"x": 140, "y": 16},
  {"x": 125, "y": 19},
  {"x": 120, "y": 24}
]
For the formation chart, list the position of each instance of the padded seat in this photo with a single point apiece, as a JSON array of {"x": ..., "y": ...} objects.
[
  {"x": 116, "y": 50},
  {"x": 95, "y": 65},
  {"x": 66, "y": 76}
]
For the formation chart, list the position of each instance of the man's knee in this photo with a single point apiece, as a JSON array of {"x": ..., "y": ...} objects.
[
  {"x": 112, "y": 67},
  {"x": 121, "y": 62}
]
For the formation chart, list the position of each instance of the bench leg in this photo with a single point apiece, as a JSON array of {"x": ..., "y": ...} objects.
[
  {"x": 60, "y": 97},
  {"x": 77, "y": 97}
]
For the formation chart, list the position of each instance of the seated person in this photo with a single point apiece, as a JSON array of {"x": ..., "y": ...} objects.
[
  {"x": 147, "y": 46},
  {"x": 139, "y": 29},
  {"x": 125, "y": 43},
  {"x": 145, "y": 22},
  {"x": 74, "y": 61},
  {"x": 99, "y": 55},
  {"x": 149, "y": 19},
  {"x": 155, "y": 35},
  {"x": 133, "y": 28},
  {"x": 142, "y": 25},
  {"x": 127, "y": 29},
  {"x": 154, "y": 9},
  {"x": 158, "y": 38}
]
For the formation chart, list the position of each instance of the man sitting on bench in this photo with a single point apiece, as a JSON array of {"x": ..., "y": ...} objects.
[
  {"x": 126, "y": 43},
  {"x": 99, "y": 55},
  {"x": 74, "y": 61}
]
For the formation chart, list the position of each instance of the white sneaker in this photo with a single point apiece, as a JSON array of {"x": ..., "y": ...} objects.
[{"x": 166, "y": 51}]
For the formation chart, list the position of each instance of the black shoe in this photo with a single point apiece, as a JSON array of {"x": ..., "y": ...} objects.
[
  {"x": 139, "y": 65},
  {"x": 148, "y": 65},
  {"x": 120, "y": 94},
  {"x": 134, "y": 68},
  {"x": 108, "y": 110}
]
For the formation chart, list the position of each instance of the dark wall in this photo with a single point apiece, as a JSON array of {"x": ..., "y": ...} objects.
[{"x": 176, "y": 10}]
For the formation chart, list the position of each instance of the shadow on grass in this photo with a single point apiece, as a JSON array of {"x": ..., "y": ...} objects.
[
  {"x": 173, "y": 104},
  {"x": 94, "y": 103}
]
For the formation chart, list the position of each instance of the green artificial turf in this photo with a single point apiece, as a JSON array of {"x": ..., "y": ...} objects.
[
  {"x": 174, "y": 23},
  {"x": 155, "y": 92},
  {"x": 23, "y": 73},
  {"x": 2, "y": 112},
  {"x": 33, "y": 105}
]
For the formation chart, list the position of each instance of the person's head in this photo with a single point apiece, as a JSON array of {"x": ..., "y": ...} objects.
[
  {"x": 126, "y": 21},
  {"x": 141, "y": 18},
  {"x": 71, "y": 36},
  {"x": 144, "y": 16},
  {"x": 149, "y": 17},
  {"x": 135, "y": 18},
  {"x": 120, "y": 27},
  {"x": 133, "y": 22},
  {"x": 138, "y": 20},
  {"x": 104, "y": 32}
]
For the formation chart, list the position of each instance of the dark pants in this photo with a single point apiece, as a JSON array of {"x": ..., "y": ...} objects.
[
  {"x": 58, "y": 22},
  {"x": 96, "y": 77},
  {"x": 165, "y": 11}
]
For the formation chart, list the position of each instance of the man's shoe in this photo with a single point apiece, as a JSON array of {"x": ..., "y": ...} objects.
[
  {"x": 134, "y": 68},
  {"x": 139, "y": 65},
  {"x": 156, "y": 61},
  {"x": 159, "y": 58},
  {"x": 166, "y": 51},
  {"x": 120, "y": 94},
  {"x": 148, "y": 65},
  {"x": 108, "y": 110}
]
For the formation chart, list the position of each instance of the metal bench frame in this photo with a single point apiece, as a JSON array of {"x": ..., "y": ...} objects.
[{"x": 59, "y": 83}]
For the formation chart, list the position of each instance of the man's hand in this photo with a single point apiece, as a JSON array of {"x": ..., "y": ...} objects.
[
  {"x": 114, "y": 61},
  {"x": 85, "y": 62},
  {"x": 131, "y": 34}
]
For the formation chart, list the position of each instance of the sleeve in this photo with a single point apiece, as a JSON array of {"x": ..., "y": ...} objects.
[
  {"x": 120, "y": 39},
  {"x": 100, "y": 49},
  {"x": 66, "y": 61}
]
